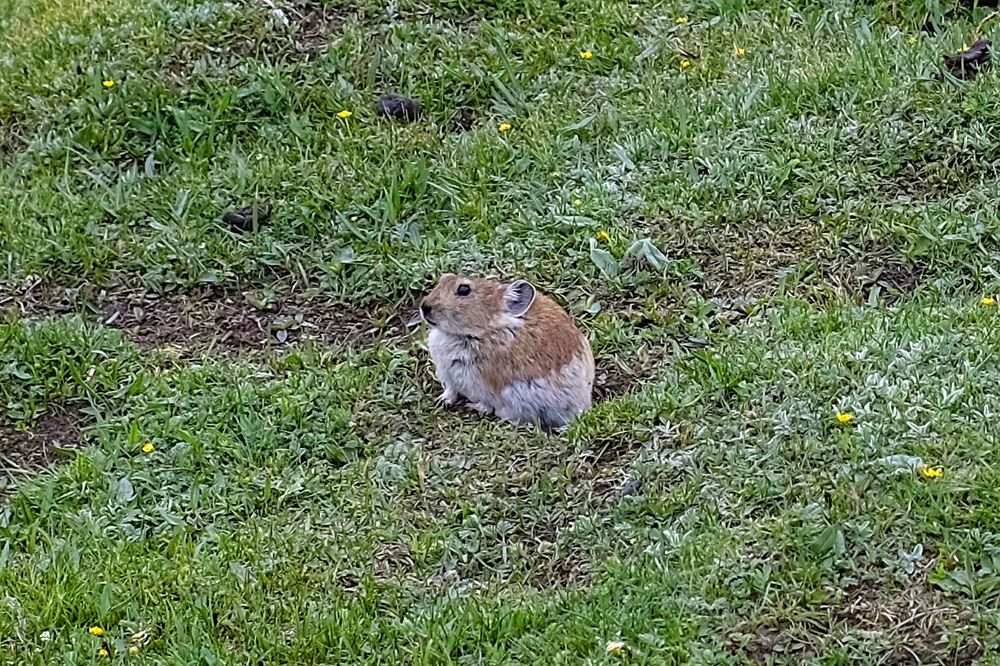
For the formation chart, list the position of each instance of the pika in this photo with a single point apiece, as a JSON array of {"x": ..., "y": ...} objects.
[{"x": 508, "y": 350}]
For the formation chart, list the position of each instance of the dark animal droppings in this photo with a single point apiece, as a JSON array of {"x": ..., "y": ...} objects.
[
  {"x": 633, "y": 487},
  {"x": 463, "y": 121},
  {"x": 967, "y": 64},
  {"x": 243, "y": 219},
  {"x": 398, "y": 107}
]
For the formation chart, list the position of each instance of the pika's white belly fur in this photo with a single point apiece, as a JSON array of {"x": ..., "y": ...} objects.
[
  {"x": 552, "y": 401},
  {"x": 454, "y": 362}
]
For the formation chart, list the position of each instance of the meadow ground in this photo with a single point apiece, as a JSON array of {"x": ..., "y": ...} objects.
[{"x": 220, "y": 445}]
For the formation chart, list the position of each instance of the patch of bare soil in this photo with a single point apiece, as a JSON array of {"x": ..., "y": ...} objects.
[
  {"x": 22, "y": 451},
  {"x": 918, "y": 619},
  {"x": 296, "y": 31},
  {"x": 915, "y": 625},
  {"x": 938, "y": 177},
  {"x": 612, "y": 379},
  {"x": 606, "y": 459},
  {"x": 742, "y": 262},
  {"x": 14, "y": 133},
  {"x": 860, "y": 270},
  {"x": 214, "y": 318},
  {"x": 314, "y": 23}
]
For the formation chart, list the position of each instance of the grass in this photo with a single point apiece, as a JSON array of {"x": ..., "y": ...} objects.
[{"x": 799, "y": 223}]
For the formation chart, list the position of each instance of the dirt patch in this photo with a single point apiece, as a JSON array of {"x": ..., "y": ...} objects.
[
  {"x": 215, "y": 318},
  {"x": 315, "y": 24},
  {"x": 912, "y": 624},
  {"x": 744, "y": 263},
  {"x": 918, "y": 620},
  {"x": 292, "y": 31},
  {"x": 14, "y": 135},
  {"x": 863, "y": 270},
  {"x": 928, "y": 179},
  {"x": 607, "y": 454},
  {"x": 612, "y": 380},
  {"x": 22, "y": 451},
  {"x": 773, "y": 641}
]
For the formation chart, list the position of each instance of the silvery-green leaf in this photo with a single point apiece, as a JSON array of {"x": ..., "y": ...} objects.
[
  {"x": 125, "y": 489},
  {"x": 345, "y": 256},
  {"x": 900, "y": 464},
  {"x": 645, "y": 249},
  {"x": 603, "y": 259}
]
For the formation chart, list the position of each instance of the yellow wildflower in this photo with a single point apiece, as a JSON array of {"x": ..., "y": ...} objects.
[
  {"x": 96, "y": 631},
  {"x": 685, "y": 63},
  {"x": 989, "y": 301},
  {"x": 681, "y": 20},
  {"x": 133, "y": 650},
  {"x": 616, "y": 647},
  {"x": 345, "y": 114},
  {"x": 148, "y": 447},
  {"x": 108, "y": 83},
  {"x": 586, "y": 55},
  {"x": 911, "y": 41},
  {"x": 740, "y": 52},
  {"x": 844, "y": 418},
  {"x": 965, "y": 47},
  {"x": 930, "y": 472},
  {"x": 577, "y": 202},
  {"x": 504, "y": 127},
  {"x": 102, "y": 653},
  {"x": 603, "y": 237}
]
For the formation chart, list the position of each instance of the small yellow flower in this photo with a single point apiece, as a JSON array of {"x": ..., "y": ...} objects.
[
  {"x": 345, "y": 114},
  {"x": 685, "y": 63},
  {"x": 504, "y": 127},
  {"x": 108, "y": 84},
  {"x": 911, "y": 41},
  {"x": 586, "y": 55},
  {"x": 602, "y": 237},
  {"x": 844, "y": 418},
  {"x": 133, "y": 650},
  {"x": 965, "y": 47},
  {"x": 681, "y": 20},
  {"x": 577, "y": 202},
  {"x": 616, "y": 647},
  {"x": 102, "y": 653},
  {"x": 989, "y": 301},
  {"x": 96, "y": 631},
  {"x": 930, "y": 472},
  {"x": 148, "y": 447},
  {"x": 740, "y": 52}
]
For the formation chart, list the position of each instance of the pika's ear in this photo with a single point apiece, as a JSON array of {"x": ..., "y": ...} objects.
[{"x": 520, "y": 295}]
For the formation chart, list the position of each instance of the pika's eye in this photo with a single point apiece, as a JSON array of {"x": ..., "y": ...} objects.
[{"x": 463, "y": 290}]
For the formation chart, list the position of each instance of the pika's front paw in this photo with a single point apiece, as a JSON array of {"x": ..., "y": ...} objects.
[
  {"x": 449, "y": 397},
  {"x": 481, "y": 407}
]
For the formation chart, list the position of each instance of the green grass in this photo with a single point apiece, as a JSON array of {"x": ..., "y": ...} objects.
[{"x": 802, "y": 228}]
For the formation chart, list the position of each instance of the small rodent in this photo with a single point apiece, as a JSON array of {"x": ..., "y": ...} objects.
[{"x": 508, "y": 350}]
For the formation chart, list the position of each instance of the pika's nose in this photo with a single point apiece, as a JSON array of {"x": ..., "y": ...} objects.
[{"x": 425, "y": 309}]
